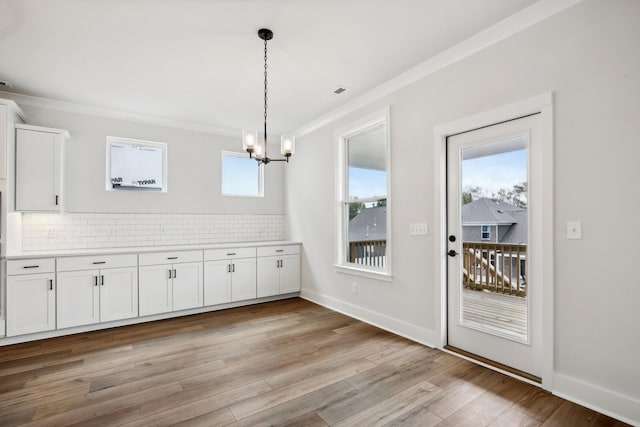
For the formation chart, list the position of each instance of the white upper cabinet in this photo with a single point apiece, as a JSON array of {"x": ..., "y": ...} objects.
[{"x": 39, "y": 162}]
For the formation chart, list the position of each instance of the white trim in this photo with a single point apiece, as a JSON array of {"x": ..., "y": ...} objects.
[
  {"x": 65, "y": 133},
  {"x": 136, "y": 320},
  {"x": 369, "y": 273},
  {"x": 379, "y": 320},
  {"x": 12, "y": 106},
  {"x": 616, "y": 405},
  {"x": 260, "y": 175},
  {"x": 342, "y": 134},
  {"x": 520, "y": 21},
  {"x": 537, "y": 104},
  {"x": 90, "y": 110}
]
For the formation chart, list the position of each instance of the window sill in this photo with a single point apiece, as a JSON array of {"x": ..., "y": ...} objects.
[{"x": 364, "y": 272}]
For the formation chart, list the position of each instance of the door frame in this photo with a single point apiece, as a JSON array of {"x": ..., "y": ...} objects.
[{"x": 542, "y": 104}]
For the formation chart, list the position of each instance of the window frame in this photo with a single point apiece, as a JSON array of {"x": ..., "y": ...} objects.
[
  {"x": 482, "y": 232},
  {"x": 224, "y": 153},
  {"x": 114, "y": 140},
  {"x": 381, "y": 117}
]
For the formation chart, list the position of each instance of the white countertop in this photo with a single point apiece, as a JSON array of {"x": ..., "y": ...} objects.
[{"x": 143, "y": 249}]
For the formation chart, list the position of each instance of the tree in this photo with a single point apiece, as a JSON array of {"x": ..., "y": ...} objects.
[
  {"x": 469, "y": 194},
  {"x": 380, "y": 203},
  {"x": 355, "y": 209},
  {"x": 517, "y": 196}
]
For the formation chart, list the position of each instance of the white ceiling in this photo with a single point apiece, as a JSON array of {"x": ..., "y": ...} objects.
[{"x": 200, "y": 61}]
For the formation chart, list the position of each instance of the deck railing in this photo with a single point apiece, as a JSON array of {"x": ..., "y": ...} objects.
[
  {"x": 370, "y": 253},
  {"x": 495, "y": 267}
]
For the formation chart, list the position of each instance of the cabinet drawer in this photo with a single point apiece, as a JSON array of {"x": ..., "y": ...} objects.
[
  {"x": 170, "y": 257},
  {"x": 279, "y": 250},
  {"x": 97, "y": 261},
  {"x": 30, "y": 266},
  {"x": 233, "y": 253}
]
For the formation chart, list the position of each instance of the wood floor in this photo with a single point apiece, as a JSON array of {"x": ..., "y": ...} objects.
[{"x": 283, "y": 363}]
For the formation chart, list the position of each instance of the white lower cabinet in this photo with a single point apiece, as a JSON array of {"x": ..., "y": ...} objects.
[
  {"x": 170, "y": 286},
  {"x": 229, "y": 275},
  {"x": 278, "y": 270},
  {"x": 31, "y": 296},
  {"x": 108, "y": 293}
]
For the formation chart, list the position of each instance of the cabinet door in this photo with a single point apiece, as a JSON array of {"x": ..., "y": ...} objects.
[
  {"x": 243, "y": 279},
  {"x": 118, "y": 293},
  {"x": 217, "y": 282},
  {"x": 31, "y": 303},
  {"x": 290, "y": 274},
  {"x": 38, "y": 170},
  {"x": 268, "y": 276},
  {"x": 187, "y": 285},
  {"x": 156, "y": 295},
  {"x": 78, "y": 298}
]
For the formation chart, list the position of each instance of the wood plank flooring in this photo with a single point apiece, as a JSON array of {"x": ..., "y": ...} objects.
[{"x": 285, "y": 363}]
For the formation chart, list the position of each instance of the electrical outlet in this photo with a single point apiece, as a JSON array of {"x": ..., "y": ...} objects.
[
  {"x": 418, "y": 229},
  {"x": 354, "y": 288}
]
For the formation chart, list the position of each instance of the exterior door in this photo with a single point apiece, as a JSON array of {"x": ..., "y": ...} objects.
[{"x": 494, "y": 301}]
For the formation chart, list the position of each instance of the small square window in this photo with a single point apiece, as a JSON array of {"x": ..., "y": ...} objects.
[
  {"x": 485, "y": 232},
  {"x": 241, "y": 176}
]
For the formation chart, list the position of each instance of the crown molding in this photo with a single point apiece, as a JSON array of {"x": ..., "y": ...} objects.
[
  {"x": 520, "y": 21},
  {"x": 71, "y": 107}
]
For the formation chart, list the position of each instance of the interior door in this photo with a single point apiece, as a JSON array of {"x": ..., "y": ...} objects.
[{"x": 494, "y": 293}]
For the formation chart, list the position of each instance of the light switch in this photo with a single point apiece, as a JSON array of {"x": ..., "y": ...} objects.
[
  {"x": 418, "y": 229},
  {"x": 574, "y": 230}
]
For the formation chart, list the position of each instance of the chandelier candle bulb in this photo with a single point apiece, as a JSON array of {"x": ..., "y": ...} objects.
[
  {"x": 287, "y": 144},
  {"x": 249, "y": 138}
]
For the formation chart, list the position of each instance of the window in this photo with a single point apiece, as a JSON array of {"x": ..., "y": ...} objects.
[
  {"x": 485, "y": 232},
  {"x": 241, "y": 175},
  {"x": 363, "y": 200},
  {"x": 133, "y": 164}
]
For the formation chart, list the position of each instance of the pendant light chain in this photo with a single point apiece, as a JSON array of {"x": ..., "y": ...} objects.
[{"x": 265, "y": 98}]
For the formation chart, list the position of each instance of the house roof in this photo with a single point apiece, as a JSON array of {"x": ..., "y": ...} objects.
[
  {"x": 518, "y": 232},
  {"x": 369, "y": 224},
  {"x": 486, "y": 211}
]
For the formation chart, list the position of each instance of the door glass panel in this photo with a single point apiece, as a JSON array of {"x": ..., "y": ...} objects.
[{"x": 494, "y": 221}]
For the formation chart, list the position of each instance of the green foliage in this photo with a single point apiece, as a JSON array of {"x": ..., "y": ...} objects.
[
  {"x": 355, "y": 209},
  {"x": 517, "y": 196},
  {"x": 469, "y": 194}
]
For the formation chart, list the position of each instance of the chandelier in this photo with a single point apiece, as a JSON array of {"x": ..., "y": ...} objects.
[{"x": 250, "y": 142}]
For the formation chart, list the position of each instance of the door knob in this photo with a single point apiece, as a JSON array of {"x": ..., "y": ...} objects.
[{"x": 452, "y": 253}]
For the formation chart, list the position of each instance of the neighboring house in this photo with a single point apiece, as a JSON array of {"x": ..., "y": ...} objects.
[
  {"x": 494, "y": 221},
  {"x": 368, "y": 236}
]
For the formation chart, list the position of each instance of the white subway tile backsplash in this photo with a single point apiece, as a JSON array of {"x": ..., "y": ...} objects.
[{"x": 45, "y": 231}]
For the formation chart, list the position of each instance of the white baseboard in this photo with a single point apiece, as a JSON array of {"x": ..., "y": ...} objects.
[
  {"x": 621, "y": 407},
  {"x": 382, "y": 321},
  {"x": 2, "y": 328}
]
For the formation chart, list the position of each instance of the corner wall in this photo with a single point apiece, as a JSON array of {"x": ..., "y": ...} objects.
[{"x": 589, "y": 57}]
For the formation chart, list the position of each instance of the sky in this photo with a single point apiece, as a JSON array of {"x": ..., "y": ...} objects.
[
  {"x": 364, "y": 183},
  {"x": 491, "y": 173},
  {"x": 240, "y": 176}
]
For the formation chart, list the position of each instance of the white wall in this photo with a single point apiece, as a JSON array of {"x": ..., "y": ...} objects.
[
  {"x": 589, "y": 55},
  {"x": 193, "y": 168}
]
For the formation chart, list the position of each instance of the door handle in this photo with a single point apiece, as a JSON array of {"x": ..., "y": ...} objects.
[
  {"x": 233, "y": 268},
  {"x": 452, "y": 253},
  {"x": 57, "y": 200},
  {"x": 95, "y": 280},
  {"x": 50, "y": 284},
  {"x": 174, "y": 273},
  {"x": 101, "y": 280},
  {"x": 170, "y": 276}
]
